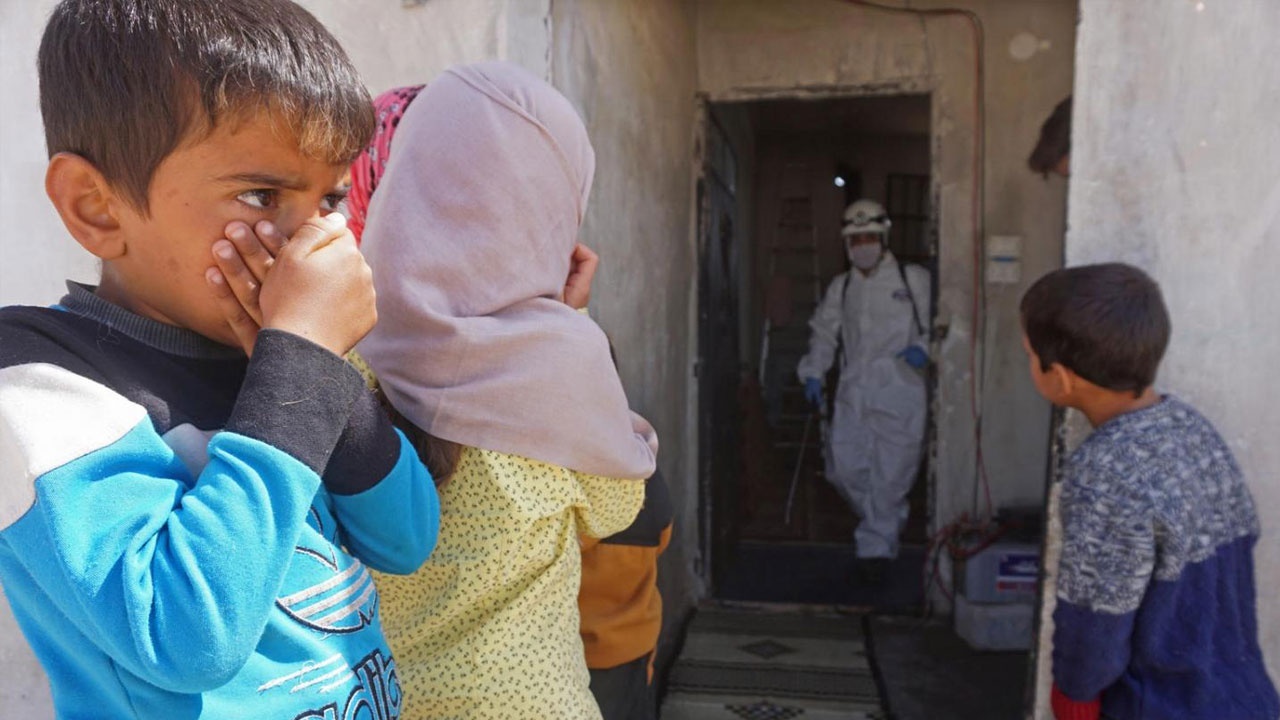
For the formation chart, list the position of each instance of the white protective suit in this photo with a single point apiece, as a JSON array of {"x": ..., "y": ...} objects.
[{"x": 876, "y": 436}]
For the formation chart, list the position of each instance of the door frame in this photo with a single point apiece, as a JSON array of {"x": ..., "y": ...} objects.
[{"x": 704, "y": 104}]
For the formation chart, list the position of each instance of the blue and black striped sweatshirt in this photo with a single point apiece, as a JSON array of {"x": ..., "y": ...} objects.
[
  {"x": 184, "y": 533},
  {"x": 1156, "y": 604}
]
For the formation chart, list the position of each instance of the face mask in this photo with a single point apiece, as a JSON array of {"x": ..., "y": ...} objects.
[{"x": 864, "y": 257}]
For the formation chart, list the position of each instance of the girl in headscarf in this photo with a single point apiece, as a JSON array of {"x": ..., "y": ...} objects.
[{"x": 509, "y": 394}]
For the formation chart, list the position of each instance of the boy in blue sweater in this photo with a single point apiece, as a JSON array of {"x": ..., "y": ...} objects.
[
  {"x": 1156, "y": 616},
  {"x": 190, "y": 495}
]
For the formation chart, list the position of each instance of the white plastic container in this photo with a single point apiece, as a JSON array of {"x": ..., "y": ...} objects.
[
  {"x": 994, "y": 626},
  {"x": 1006, "y": 572}
]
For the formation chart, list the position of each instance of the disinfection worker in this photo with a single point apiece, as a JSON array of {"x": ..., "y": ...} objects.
[{"x": 872, "y": 324}]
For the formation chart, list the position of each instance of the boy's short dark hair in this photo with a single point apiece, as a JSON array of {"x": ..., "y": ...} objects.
[
  {"x": 124, "y": 82},
  {"x": 1106, "y": 323},
  {"x": 1055, "y": 140}
]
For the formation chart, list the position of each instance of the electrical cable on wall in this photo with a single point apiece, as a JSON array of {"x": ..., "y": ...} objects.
[{"x": 977, "y": 350}]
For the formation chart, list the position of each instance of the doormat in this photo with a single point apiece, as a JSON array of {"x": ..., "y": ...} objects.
[{"x": 739, "y": 664}]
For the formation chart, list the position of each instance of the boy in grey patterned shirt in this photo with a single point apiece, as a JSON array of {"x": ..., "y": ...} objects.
[{"x": 1156, "y": 614}]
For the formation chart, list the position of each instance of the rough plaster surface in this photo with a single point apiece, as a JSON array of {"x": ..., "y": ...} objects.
[
  {"x": 1176, "y": 168},
  {"x": 750, "y": 49},
  {"x": 628, "y": 70}
]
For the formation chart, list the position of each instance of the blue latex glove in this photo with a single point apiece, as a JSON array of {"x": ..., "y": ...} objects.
[
  {"x": 813, "y": 391},
  {"x": 915, "y": 356}
]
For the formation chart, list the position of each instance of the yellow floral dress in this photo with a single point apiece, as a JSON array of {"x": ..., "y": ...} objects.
[{"x": 488, "y": 627}]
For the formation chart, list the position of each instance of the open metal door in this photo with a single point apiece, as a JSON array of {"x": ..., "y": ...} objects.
[{"x": 719, "y": 368}]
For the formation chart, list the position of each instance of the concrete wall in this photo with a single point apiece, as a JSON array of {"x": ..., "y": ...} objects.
[
  {"x": 751, "y": 49},
  {"x": 628, "y": 68},
  {"x": 394, "y": 45},
  {"x": 1176, "y": 168}
]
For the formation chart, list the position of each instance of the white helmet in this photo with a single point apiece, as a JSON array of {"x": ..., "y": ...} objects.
[{"x": 865, "y": 216}]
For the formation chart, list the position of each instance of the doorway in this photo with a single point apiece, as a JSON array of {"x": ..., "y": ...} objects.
[{"x": 776, "y": 177}]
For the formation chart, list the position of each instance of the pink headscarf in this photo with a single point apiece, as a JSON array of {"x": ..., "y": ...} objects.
[
  {"x": 469, "y": 236},
  {"x": 368, "y": 168}
]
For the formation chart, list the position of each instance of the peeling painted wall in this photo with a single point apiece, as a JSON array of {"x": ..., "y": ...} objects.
[
  {"x": 749, "y": 49},
  {"x": 628, "y": 68},
  {"x": 1176, "y": 168}
]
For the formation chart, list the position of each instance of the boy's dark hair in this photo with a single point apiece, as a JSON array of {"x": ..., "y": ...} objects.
[
  {"x": 1055, "y": 140},
  {"x": 1106, "y": 323},
  {"x": 124, "y": 82}
]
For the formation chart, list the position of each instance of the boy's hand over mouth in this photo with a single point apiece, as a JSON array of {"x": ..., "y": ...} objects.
[
  {"x": 242, "y": 261},
  {"x": 319, "y": 287}
]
